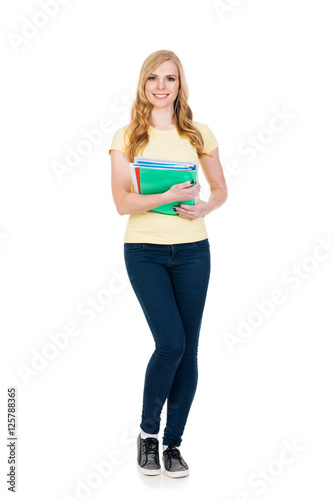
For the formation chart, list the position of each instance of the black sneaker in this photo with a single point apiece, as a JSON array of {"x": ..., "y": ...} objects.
[
  {"x": 148, "y": 460},
  {"x": 174, "y": 464}
]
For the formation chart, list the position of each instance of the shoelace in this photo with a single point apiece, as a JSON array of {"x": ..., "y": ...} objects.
[
  {"x": 173, "y": 452},
  {"x": 150, "y": 445}
]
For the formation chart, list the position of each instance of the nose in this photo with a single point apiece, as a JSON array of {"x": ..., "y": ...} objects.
[{"x": 160, "y": 85}]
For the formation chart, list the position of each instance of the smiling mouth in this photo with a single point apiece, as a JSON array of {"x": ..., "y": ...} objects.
[{"x": 160, "y": 96}]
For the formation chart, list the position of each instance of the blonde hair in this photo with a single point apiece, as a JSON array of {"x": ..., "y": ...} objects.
[{"x": 136, "y": 134}]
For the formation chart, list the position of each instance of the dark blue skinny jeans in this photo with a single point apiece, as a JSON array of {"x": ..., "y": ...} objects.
[{"x": 170, "y": 282}]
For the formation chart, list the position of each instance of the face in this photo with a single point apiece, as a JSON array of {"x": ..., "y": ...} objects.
[{"x": 163, "y": 84}]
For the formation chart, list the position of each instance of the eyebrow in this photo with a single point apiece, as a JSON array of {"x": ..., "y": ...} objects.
[{"x": 153, "y": 74}]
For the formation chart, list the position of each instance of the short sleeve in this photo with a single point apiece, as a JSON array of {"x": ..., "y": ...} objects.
[
  {"x": 118, "y": 140},
  {"x": 209, "y": 138}
]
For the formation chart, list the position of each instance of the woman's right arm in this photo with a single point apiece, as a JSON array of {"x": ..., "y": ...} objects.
[{"x": 133, "y": 203}]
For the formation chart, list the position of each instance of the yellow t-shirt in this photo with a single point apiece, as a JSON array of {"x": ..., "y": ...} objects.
[{"x": 151, "y": 227}]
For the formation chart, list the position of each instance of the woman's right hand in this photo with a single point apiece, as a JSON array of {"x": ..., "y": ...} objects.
[{"x": 183, "y": 191}]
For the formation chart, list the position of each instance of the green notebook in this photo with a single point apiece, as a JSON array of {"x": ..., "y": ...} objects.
[{"x": 154, "y": 181}]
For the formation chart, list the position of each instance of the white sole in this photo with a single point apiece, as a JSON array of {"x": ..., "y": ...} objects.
[
  {"x": 148, "y": 472},
  {"x": 179, "y": 473}
]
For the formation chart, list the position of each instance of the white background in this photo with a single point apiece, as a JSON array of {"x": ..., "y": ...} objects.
[{"x": 61, "y": 243}]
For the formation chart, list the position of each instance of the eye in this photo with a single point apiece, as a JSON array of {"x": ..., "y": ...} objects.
[{"x": 169, "y": 78}]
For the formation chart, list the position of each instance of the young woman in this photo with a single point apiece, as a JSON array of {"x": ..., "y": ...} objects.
[{"x": 167, "y": 257}]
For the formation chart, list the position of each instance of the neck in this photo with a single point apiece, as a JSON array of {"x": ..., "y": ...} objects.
[{"x": 162, "y": 118}]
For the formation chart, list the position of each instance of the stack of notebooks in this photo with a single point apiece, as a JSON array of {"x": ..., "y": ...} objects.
[{"x": 152, "y": 176}]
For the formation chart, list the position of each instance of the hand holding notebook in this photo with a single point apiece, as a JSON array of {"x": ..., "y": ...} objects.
[{"x": 152, "y": 176}]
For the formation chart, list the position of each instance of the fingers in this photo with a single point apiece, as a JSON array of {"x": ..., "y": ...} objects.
[
  {"x": 188, "y": 190},
  {"x": 186, "y": 211}
]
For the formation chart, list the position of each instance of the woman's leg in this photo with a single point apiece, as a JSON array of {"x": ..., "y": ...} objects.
[
  {"x": 190, "y": 277},
  {"x": 148, "y": 270}
]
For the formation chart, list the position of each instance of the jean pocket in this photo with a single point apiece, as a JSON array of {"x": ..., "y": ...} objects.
[
  {"x": 202, "y": 244},
  {"x": 131, "y": 247}
]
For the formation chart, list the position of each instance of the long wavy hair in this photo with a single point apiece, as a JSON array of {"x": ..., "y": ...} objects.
[{"x": 136, "y": 134}]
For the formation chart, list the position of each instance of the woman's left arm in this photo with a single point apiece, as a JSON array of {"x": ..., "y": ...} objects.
[{"x": 213, "y": 172}]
